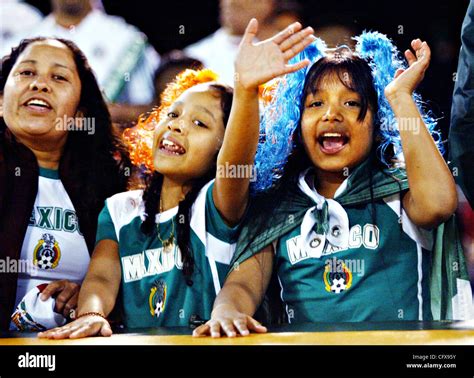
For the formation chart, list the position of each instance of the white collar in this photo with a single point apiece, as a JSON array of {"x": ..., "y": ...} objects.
[
  {"x": 337, "y": 233},
  {"x": 306, "y": 184},
  {"x": 166, "y": 215}
]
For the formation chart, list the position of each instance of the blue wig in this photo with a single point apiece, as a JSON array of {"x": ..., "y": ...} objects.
[
  {"x": 281, "y": 116},
  {"x": 383, "y": 58},
  {"x": 280, "y": 119}
]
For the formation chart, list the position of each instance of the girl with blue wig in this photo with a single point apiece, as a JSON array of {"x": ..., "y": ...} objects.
[{"x": 360, "y": 227}]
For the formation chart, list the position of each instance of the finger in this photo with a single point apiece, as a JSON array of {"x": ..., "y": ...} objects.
[
  {"x": 294, "y": 39},
  {"x": 215, "y": 329},
  {"x": 48, "y": 333},
  {"x": 399, "y": 72},
  {"x": 69, "y": 291},
  {"x": 228, "y": 328},
  {"x": 250, "y": 31},
  {"x": 202, "y": 330},
  {"x": 84, "y": 331},
  {"x": 411, "y": 58},
  {"x": 60, "y": 332},
  {"x": 297, "y": 66},
  {"x": 63, "y": 333},
  {"x": 416, "y": 43},
  {"x": 241, "y": 325},
  {"x": 288, "y": 31},
  {"x": 425, "y": 52},
  {"x": 297, "y": 48},
  {"x": 255, "y": 326},
  {"x": 51, "y": 289},
  {"x": 106, "y": 330},
  {"x": 70, "y": 305}
]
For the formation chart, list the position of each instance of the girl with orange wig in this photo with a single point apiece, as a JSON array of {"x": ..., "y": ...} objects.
[{"x": 167, "y": 248}]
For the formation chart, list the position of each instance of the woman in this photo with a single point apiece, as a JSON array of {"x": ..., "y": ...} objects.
[{"x": 58, "y": 163}]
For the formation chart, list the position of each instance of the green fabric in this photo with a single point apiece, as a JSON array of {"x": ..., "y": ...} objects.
[
  {"x": 448, "y": 264},
  {"x": 381, "y": 282},
  {"x": 117, "y": 79},
  {"x": 294, "y": 204},
  {"x": 49, "y": 173},
  {"x": 154, "y": 291}
]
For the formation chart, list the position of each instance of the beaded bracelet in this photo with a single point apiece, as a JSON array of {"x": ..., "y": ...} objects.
[{"x": 91, "y": 313}]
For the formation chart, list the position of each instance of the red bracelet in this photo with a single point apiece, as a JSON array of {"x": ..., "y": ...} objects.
[{"x": 91, "y": 313}]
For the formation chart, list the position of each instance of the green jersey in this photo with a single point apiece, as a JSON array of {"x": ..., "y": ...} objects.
[
  {"x": 352, "y": 263},
  {"x": 374, "y": 272},
  {"x": 378, "y": 273},
  {"x": 153, "y": 288}
]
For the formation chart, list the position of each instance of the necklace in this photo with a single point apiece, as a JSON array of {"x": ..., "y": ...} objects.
[{"x": 169, "y": 242}]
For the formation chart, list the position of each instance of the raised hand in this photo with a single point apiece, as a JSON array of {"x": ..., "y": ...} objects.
[
  {"x": 257, "y": 63},
  {"x": 406, "y": 80}
]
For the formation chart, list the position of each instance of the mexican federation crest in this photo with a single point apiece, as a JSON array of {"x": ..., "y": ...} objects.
[
  {"x": 157, "y": 298},
  {"x": 47, "y": 252},
  {"x": 337, "y": 278}
]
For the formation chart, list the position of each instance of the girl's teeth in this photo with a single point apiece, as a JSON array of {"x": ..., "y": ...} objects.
[{"x": 172, "y": 147}]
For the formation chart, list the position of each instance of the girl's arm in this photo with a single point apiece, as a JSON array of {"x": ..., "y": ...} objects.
[
  {"x": 240, "y": 297},
  {"x": 432, "y": 197},
  {"x": 98, "y": 294},
  {"x": 255, "y": 64}
]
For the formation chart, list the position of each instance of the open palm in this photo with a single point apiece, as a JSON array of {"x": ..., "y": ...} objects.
[
  {"x": 406, "y": 80},
  {"x": 257, "y": 63}
]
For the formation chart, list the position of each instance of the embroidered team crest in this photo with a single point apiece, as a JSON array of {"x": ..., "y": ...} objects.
[
  {"x": 157, "y": 298},
  {"x": 337, "y": 277},
  {"x": 47, "y": 252}
]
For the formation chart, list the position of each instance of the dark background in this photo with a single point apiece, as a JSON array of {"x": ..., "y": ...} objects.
[{"x": 437, "y": 22}]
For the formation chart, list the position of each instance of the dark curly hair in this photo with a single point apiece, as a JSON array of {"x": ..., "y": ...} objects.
[{"x": 99, "y": 159}]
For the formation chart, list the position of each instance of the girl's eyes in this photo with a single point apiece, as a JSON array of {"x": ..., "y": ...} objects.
[
  {"x": 199, "y": 123},
  {"x": 353, "y": 103},
  {"x": 196, "y": 121}
]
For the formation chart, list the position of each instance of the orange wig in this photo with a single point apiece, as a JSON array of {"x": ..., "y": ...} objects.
[{"x": 139, "y": 139}]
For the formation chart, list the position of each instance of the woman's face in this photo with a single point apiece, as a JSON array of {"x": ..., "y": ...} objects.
[
  {"x": 187, "y": 140},
  {"x": 333, "y": 137},
  {"x": 42, "y": 92}
]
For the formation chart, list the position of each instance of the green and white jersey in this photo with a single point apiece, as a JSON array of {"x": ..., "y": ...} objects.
[
  {"x": 53, "y": 247},
  {"x": 154, "y": 289},
  {"x": 362, "y": 268}
]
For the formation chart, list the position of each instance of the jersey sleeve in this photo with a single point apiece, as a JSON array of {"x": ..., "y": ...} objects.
[
  {"x": 105, "y": 227},
  {"x": 215, "y": 224}
]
